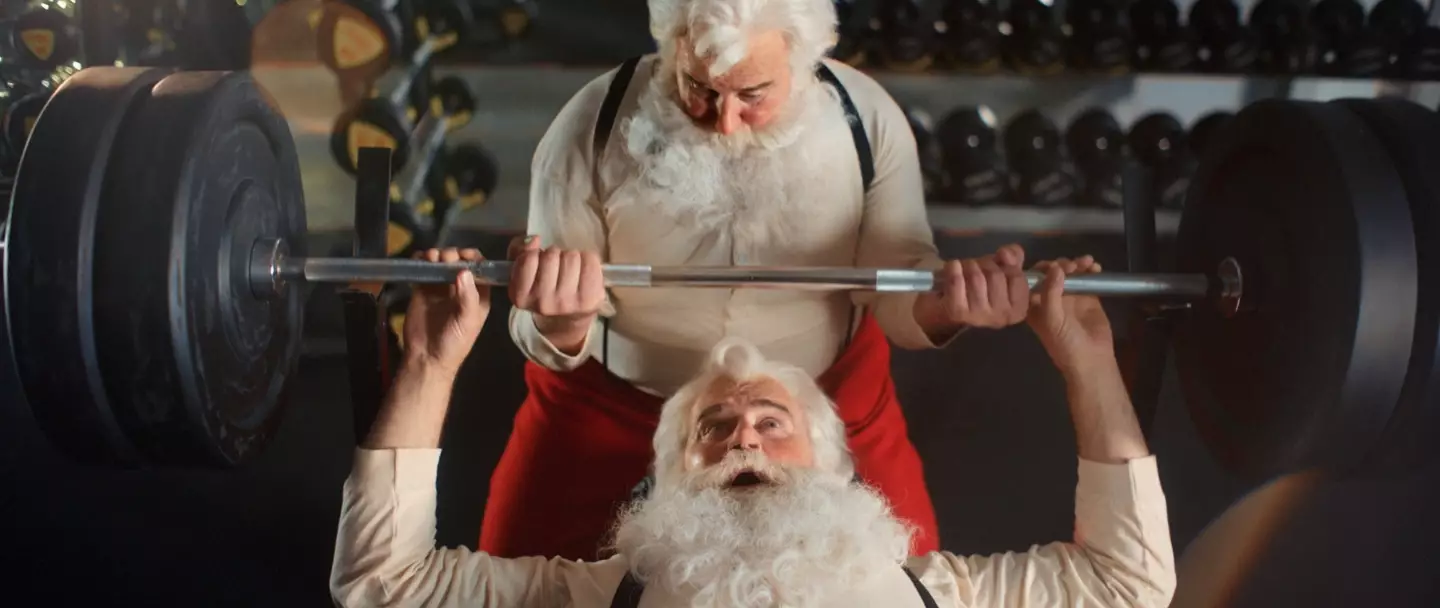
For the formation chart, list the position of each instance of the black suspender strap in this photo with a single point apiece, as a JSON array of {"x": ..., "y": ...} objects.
[
  {"x": 925, "y": 596},
  {"x": 627, "y": 595},
  {"x": 867, "y": 166},
  {"x": 857, "y": 126},
  {"x": 604, "y": 124},
  {"x": 610, "y": 108}
]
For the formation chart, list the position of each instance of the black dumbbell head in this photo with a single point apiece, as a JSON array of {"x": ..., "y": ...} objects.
[
  {"x": 972, "y": 34},
  {"x": 1100, "y": 34},
  {"x": 906, "y": 38},
  {"x": 1095, "y": 138},
  {"x": 472, "y": 174},
  {"x": 450, "y": 18},
  {"x": 1287, "y": 40},
  {"x": 1161, "y": 42},
  {"x": 1420, "y": 55},
  {"x": 357, "y": 37},
  {"x": 45, "y": 38},
  {"x": 373, "y": 123},
  {"x": 1156, "y": 138},
  {"x": 1336, "y": 21},
  {"x": 455, "y": 100},
  {"x": 1397, "y": 20},
  {"x": 1035, "y": 44},
  {"x": 967, "y": 128},
  {"x": 1206, "y": 129},
  {"x": 1031, "y": 135}
]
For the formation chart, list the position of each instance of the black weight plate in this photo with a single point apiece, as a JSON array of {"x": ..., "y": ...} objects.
[
  {"x": 1411, "y": 134},
  {"x": 50, "y": 262},
  {"x": 197, "y": 360},
  {"x": 1305, "y": 198},
  {"x": 20, "y": 119},
  {"x": 472, "y": 173}
]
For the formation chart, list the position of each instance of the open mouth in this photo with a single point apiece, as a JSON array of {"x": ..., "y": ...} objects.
[{"x": 746, "y": 479}]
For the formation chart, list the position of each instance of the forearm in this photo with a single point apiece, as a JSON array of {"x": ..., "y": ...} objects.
[
  {"x": 413, "y": 412},
  {"x": 1106, "y": 430},
  {"x": 537, "y": 347}
]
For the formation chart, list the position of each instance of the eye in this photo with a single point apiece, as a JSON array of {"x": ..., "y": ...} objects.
[
  {"x": 752, "y": 97},
  {"x": 770, "y": 424}
]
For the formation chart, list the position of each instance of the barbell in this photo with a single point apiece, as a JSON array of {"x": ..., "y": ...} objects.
[{"x": 155, "y": 262}]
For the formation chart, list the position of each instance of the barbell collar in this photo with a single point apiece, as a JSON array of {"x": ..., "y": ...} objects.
[{"x": 271, "y": 270}]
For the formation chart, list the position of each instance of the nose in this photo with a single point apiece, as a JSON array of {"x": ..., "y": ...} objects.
[
  {"x": 727, "y": 119},
  {"x": 746, "y": 438}
]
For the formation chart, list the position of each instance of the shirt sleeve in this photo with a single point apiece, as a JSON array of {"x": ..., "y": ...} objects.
[
  {"x": 1121, "y": 554},
  {"x": 894, "y": 231},
  {"x": 564, "y": 211},
  {"x": 385, "y": 552}
]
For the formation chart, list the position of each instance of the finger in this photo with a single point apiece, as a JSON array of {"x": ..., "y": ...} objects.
[
  {"x": 432, "y": 255},
  {"x": 592, "y": 281},
  {"x": 522, "y": 280},
  {"x": 467, "y": 296},
  {"x": 977, "y": 295},
  {"x": 1011, "y": 255},
  {"x": 546, "y": 279},
  {"x": 1054, "y": 293},
  {"x": 449, "y": 255},
  {"x": 470, "y": 254},
  {"x": 1019, "y": 293},
  {"x": 996, "y": 286},
  {"x": 567, "y": 282}
]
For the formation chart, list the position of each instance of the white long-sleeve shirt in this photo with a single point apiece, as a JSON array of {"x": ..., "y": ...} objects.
[
  {"x": 385, "y": 553},
  {"x": 659, "y": 337}
]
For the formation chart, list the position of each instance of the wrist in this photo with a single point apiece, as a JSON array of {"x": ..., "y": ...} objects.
[
  {"x": 1088, "y": 366},
  {"x": 425, "y": 368},
  {"x": 566, "y": 334}
]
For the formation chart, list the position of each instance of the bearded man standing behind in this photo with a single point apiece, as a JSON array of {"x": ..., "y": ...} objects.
[{"x": 737, "y": 144}]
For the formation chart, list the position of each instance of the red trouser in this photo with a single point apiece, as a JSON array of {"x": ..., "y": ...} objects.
[{"x": 582, "y": 441}]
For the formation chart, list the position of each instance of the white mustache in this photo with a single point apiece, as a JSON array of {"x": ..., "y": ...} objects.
[{"x": 720, "y": 474}]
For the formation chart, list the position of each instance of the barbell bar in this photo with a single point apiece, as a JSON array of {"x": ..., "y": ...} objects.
[
  {"x": 272, "y": 270},
  {"x": 158, "y": 222}
]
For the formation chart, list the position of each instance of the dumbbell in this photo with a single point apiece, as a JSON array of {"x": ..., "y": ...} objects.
[
  {"x": 1346, "y": 45},
  {"x": 1158, "y": 141},
  {"x": 972, "y": 39},
  {"x": 41, "y": 39},
  {"x": 466, "y": 177},
  {"x": 1397, "y": 21},
  {"x": 932, "y": 174},
  {"x": 1224, "y": 44},
  {"x": 1035, "y": 43},
  {"x": 359, "y": 40},
  {"x": 500, "y": 22},
  {"x": 855, "y": 31},
  {"x": 1099, "y": 35},
  {"x": 1420, "y": 55},
  {"x": 389, "y": 122},
  {"x": 1287, "y": 41},
  {"x": 972, "y": 162},
  {"x": 422, "y": 198},
  {"x": 1205, "y": 131},
  {"x": 149, "y": 32},
  {"x": 1097, "y": 146},
  {"x": 907, "y": 36},
  {"x": 1161, "y": 44},
  {"x": 1033, "y": 152}
]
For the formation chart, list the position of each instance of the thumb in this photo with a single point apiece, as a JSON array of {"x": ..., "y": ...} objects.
[
  {"x": 468, "y": 295},
  {"x": 519, "y": 245},
  {"x": 1054, "y": 292}
]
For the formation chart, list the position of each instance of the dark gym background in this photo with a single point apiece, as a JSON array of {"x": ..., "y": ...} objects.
[{"x": 987, "y": 415}]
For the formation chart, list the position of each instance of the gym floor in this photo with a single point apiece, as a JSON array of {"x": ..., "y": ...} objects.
[{"x": 987, "y": 416}]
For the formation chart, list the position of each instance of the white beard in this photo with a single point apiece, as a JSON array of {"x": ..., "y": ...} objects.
[
  {"x": 759, "y": 185},
  {"x": 810, "y": 537}
]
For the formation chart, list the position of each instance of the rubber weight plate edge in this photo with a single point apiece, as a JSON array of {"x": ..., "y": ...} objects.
[
  {"x": 1304, "y": 197},
  {"x": 1411, "y": 134},
  {"x": 195, "y": 357},
  {"x": 50, "y": 257}
]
